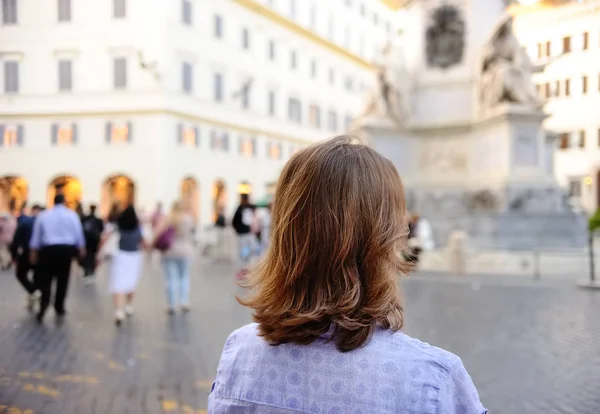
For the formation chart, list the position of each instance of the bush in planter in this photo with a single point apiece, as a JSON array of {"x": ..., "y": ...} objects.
[{"x": 594, "y": 223}]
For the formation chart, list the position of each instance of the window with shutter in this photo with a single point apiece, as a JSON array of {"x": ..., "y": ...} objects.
[
  {"x": 272, "y": 103},
  {"x": 187, "y": 77},
  {"x": 245, "y": 38},
  {"x": 12, "y": 136},
  {"x": 11, "y": 76},
  {"x": 582, "y": 139},
  {"x": 271, "y": 50},
  {"x": 9, "y": 12},
  {"x": 65, "y": 82},
  {"x": 332, "y": 121},
  {"x": 120, "y": 72},
  {"x": 218, "y": 26},
  {"x": 64, "y": 10},
  {"x": 119, "y": 9},
  {"x": 218, "y": 87},
  {"x": 187, "y": 12}
]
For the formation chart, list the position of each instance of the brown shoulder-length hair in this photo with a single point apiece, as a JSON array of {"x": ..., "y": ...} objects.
[{"x": 338, "y": 225}]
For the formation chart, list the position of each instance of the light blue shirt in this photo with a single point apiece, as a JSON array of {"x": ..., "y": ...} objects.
[
  {"x": 59, "y": 225},
  {"x": 393, "y": 373}
]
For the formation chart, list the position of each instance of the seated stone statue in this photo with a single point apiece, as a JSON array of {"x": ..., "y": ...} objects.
[{"x": 506, "y": 71}]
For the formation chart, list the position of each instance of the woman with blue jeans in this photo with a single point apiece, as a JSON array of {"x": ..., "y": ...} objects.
[{"x": 177, "y": 257}]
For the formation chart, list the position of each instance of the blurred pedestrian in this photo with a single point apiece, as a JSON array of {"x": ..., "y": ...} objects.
[
  {"x": 19, "y": 250},
  {"x": 93, "y": 227},
  {"x": 327, "y": 304},
  {"x": 243, "y": 221},
  {"x": 157, "y": 216},
  {"x": 126, "y": 263},
  {"x": 56, "y": 239},
  {"x": 175, "y": 239},
  {"x": 8, "y": 226},
  {"x": 110, "y": 236},
  {"x": 420, "y": 238}
]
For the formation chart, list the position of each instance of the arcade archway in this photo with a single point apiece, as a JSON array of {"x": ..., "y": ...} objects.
[
  {"x": 13, "y": 193},
  {"x": 190, "y": 196},
  {"x": 219, "y": 198},
  {"x": 68, "y": 186},
  {"x": 598, "y": 190},
  {"x": 117, "y": 190}
]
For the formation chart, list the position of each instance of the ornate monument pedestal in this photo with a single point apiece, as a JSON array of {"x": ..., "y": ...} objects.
[{"x": 464, "y": 129}]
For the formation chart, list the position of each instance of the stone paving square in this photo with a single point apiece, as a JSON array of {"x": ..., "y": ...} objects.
[{"x": 531, "y": 347}]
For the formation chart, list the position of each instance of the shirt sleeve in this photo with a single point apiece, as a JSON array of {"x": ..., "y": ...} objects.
[
  {"x": 36, "y": 235},
  {"x": 458, "y": 394}
]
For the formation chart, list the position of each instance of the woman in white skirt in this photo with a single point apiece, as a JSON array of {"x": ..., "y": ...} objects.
[{"x": 126, "y": 264}]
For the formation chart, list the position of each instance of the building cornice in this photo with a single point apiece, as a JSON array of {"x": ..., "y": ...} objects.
[
  {"x": 299, "y": 30},
  {"x": 545, "y": 16}
]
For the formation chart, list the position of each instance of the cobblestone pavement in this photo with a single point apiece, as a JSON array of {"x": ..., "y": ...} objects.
[{"x": 530, "y": 347}]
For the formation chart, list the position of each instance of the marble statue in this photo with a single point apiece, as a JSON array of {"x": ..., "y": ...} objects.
[
  {"x": 445, "y": 37},
  {"x": 387, "y": 99},
  {"x": 506, "y": 71}
]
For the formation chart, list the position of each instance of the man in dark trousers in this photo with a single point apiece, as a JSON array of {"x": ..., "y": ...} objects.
[
  {"x": 56, "y": 239},
  {"x": 19, "y": 250},
  {"x": 92, "y": 231}
]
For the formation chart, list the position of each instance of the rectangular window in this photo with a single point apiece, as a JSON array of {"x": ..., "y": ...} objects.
[
  {"x": 375, "y": 19},
  {"x": 271, "y": 103},
  {"x": 247, "y": 146},
  {"x": 119, "y": 9},
  {"x": 332, "y": 121},
  {"x": 331, "y": 76},
  {"x": 557, "y": 88},
  {"x": 548, "y": 48},
  {"x": 11, "y": 76},
  {"x": 186, "y": 12},
  {"x": 582, "y": 139},
  {"x": 274, "y": 150},
  {"x": 330, "y": 28},
  {"x": 547, "y": 90},
  {"x": 313, "y": 17},
  {"x": 313, "y": 68},
  {"x": 568, "y": 87},
  {"x": 271, "y": 48},
  {"x": 294, "y": 110},
  {"x": 540, "y": 50},
  {"x": 584, "y": 84},
  {"x": 574, "y": 187},
  {"x": 218, "y": 87},
  {"x": 187, "y": 77},
  {"x": 293, "y": 59},
  {"x": 348, "y": 84},
  {"x": 63, "y": 135},
  {"x": 347, "y": 122},
  {"x": 218, "y": 26},
  {"x": 120, "y": 73},
  {"x": 118, "y": 133},
  {"x": 567, "y": 44},
  {"x": 188, "y": 135},
  {"x": 314, "y": 116},
  {"x": 11, "y": 136},
  {"x": 219, "y": 141},
  {"x": 346, "y": 37},
  {"x": 293, "y": 9},
  {"x": 64, "y": 10},
  {"x": 563, "y": 140},
  {"x": 388, "y": 28},
  {"x": 65, "y": 75},
  {"x": 245, "y": 39},
  {"x": 586, "y": 41},
  {"x": 362, "y": 10},
  {"x": 9, "y": 12}
]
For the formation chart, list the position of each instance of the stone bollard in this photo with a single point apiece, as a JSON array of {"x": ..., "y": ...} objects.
[{"x": 457, "y": 252}]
